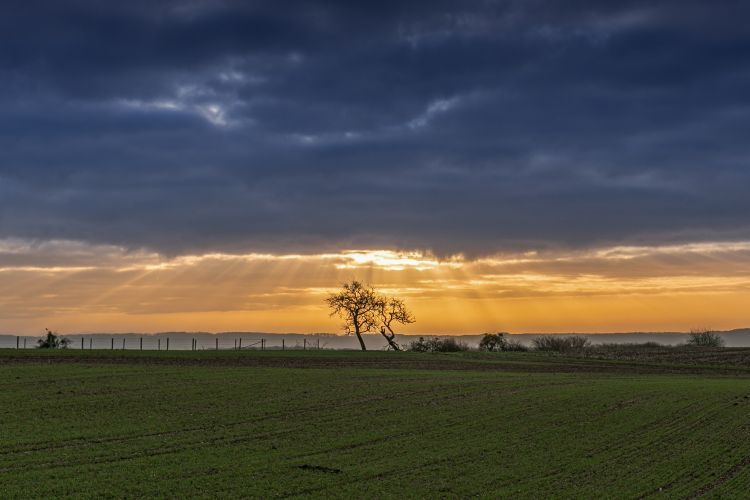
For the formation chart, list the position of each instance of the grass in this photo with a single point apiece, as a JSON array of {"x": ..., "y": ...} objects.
[{"x": 221, "y": 424}]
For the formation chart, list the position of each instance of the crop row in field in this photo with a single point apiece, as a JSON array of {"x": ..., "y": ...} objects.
[{"x": 168, "y": 430}]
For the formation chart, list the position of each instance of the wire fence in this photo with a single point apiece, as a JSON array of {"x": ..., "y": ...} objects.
[{"x": 175, "y": 343}]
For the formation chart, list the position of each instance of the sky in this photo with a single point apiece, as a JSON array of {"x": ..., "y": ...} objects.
[{"x": 527, "y": 166}]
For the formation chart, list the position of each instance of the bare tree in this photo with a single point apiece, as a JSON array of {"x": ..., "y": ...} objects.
[
  {"x": 393, "y": 310},
  {"x": 359, "y": 306}
]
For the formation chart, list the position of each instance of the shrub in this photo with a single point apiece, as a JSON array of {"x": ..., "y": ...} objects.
[
  {"x": 437, "y": 345},
  {"x": 419, "y": 345},
  {"x": 560, "y": 344},
  {"x": 705, "y": 338},
  {"x": 494, "y": 342},
  {"x": 549, "y": 343},
  {"x": 515, "y": 345},
  {"x": 53, "y": 341},
  {"x": 450, "y": 345}
]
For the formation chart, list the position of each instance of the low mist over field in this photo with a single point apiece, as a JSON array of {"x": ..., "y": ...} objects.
[{"x": 312, "y": 341}]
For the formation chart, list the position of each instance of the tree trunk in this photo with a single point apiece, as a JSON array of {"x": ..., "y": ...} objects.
[
  {"x": 390, "y": 338},
  {"x": 359, "y": 337}
]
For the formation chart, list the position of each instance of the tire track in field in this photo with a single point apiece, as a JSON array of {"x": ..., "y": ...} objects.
[
  {"x": 686, "y": 424},
  {"x": 674, "y": 430},
  {"x": 157, "y": 449},
  {"x": 472, "y": 444},
  {"x": 478, "y": 391},
  {"x": 413, "y": 396},
  {"x": 202, "y": 442},
  {"x": 563, "y": 473},
  {"x": 388, "y": 473},
  {"x": 334, "y": 403},
  {"x": 726, "y": 476}
]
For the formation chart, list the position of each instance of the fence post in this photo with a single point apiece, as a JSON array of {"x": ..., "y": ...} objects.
[
  {"x": 283, "y": 347},
  {"x": 217, "y": 343},
  {"x": 18, "y": 341},
  {"x": 318, "y": 343},
  {"x": 304, "y": 344},
  {"x": 82, "y": 343},
  {"x": 113, "y": 343},
  {"x": 235, "y": 344},
  {"x": 24, "y": 343},
  {"x": 123, "y": 344},
  {"x": 141, "y": 343},
  {"x": 158, "y": 344},
  {"x": 240, "y": 344},
  {"x": 262, "y": 344},
  {"x": 91, "y": 343},
  {"x": 167, "y": 343}
]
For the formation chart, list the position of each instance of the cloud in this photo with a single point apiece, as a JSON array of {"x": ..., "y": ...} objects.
[{"x": 473, "y": 127}]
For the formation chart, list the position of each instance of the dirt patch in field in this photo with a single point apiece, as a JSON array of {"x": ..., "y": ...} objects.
[
  {"x": 734, "y": 356},
  {"x": 401, "y": 362},
  {"x": 320, "y": 468}
]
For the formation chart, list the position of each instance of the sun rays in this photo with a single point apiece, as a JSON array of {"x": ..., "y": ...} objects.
[{"x": 87, "y": 287}]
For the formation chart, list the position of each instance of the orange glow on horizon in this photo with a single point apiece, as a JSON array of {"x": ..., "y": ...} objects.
[{"x": 73, "y": 287}]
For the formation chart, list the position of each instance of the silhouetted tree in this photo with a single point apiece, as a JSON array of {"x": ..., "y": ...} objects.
[
  {"x": 393, "y": 311},
  {"x": 363, "y": 310},
  {"x": 359, "y": 306},
  {"x": 52, "y": 341}
]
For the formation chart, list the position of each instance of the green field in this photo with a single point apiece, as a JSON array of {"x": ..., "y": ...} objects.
[{"x": 349, "y": 424}]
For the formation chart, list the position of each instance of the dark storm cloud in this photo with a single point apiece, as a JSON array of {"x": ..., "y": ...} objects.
[{"x": 452, "y": 126}]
